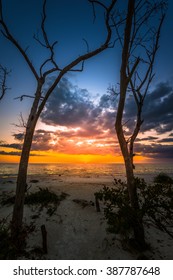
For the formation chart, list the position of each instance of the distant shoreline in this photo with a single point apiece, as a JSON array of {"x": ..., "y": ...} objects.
[{"x": 90, "y": 171}]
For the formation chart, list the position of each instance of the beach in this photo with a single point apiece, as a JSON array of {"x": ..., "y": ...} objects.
[{"x": 76, "y": 230}]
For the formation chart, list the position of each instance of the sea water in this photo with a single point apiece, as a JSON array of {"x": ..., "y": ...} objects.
[{"x": 147, "y": 171}]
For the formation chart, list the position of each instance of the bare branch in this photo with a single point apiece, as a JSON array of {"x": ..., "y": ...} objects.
[
  {"x": 47, "y": 44},
  {"x": 22, "y": 122},
  {"x": 6, "y": 33},
  {"x": 25, "y": 95},
  {"x": 82, "y": 58},
  {"x": 153, "y": 54},
  {"x": 140, "y": 42},
  {"x": 87, "y": 45},
  {"x": 99, "y": 3},
  {"x": 3, "y": 79}
]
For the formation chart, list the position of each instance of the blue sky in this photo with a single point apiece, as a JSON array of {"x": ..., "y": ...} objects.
[{"x": 69, "y": 22}]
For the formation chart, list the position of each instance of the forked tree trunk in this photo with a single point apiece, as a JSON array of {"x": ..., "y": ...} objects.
[
  {"x": 137, "y": 223},
  {"x": 128, "y": 160},
  {"x": 140, "y": 42}
]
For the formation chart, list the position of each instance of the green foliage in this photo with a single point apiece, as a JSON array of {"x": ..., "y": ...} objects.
[
  {"x": 7, "y": 250},
  {"x": 117, "y": 207},
  {"x": 7, "y": 198},
  {"x": 155, "y": 201},
  {"x": 4, "y": 240},
  {"x": 43, "y": 198},
  {"x": 163, "y": 178}
]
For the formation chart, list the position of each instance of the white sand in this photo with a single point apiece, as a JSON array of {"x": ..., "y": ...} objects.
[{"x": 76, "y": 232}]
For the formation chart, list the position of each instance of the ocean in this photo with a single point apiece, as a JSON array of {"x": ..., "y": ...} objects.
[{"x": 146, "y": 171}]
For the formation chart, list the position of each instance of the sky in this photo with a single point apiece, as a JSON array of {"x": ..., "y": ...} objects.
[{"x": 77, "y": 124}]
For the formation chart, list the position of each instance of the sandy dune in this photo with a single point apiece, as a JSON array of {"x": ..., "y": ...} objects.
[{"x": 76, "y": 230}]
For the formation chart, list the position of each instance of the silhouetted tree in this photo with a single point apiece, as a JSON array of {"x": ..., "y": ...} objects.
[
  {"x": 139, "y": 39},
  {"x": 40, "y": 99}
]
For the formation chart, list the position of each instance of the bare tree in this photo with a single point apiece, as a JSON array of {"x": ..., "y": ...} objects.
[
  {"x": 39, "y": 100},
  {"x": 139, "y": 40},
  {"x": 3, "y": 81}
]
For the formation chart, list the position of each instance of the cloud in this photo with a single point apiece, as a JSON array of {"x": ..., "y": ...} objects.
[
  {"x": 83, "y": 125},
  {"x": 10, "y": 153},
  {"x": 157, "y": 110},
  {"x": 18, "y": 136},
  {"x": 67, "y": 106},
  {"x": 72, "y": 108},
  {"x": 149, "y": 138},
  {"x": 13, "y": 145},
  {"x": 155, "y": 150},
  {"x": 166, "y": 140},
  {"x": 17, "y": 154}
]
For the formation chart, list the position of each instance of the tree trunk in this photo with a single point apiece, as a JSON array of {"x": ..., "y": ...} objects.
[
  {"x": 21, "y": 184},
  {"x": 137, "y": 221},
  {"x": 16, "y": 225}
]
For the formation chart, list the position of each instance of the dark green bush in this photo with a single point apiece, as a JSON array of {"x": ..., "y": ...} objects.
[
  {"x": 163, "y": 178},
  {"x": 7, "y": 250},
  {"x": 155, "y": 201},
  {"x": 42, "y": 198}
]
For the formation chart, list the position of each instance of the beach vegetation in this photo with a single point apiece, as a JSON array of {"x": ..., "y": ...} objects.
[
  {"x": 155, "y": 207},
  {"x": 8, "y": 249},
  {"x": 163, "y": 178},
  {"x": 5, "y": 246},
  {"x": 42, "y": 198}
]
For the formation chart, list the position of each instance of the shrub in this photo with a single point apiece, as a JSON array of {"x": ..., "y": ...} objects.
[
  {"x": 155, "y": 201},
  {"x": 163, "y": 178},
  {"x": 7, "y": 250},
  {"x": 43, "y": 198}
]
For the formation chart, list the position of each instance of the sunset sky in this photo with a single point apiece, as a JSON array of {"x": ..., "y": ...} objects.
[{"x": 77, "y": 124}]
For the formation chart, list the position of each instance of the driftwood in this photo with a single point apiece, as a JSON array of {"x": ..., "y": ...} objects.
[{"x": 44, "y": 238}]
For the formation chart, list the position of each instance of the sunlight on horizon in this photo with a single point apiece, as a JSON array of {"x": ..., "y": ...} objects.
[{"x": 50, "y": 157}]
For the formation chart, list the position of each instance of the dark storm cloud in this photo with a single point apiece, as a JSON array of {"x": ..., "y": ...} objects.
[
  {"x": 72, "y": 107},
  {"x": 18, "y": 136},
  {"x": 83, "y": 119},
  {"x": 41, "y": 140},
  {"x": 157, "y": 110},
  {"x": 68, "y": 106},
  {"x": 108, "y": 101},
  {"x": 155, "y": 150},
  {"x": 166, "y": 140}
]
